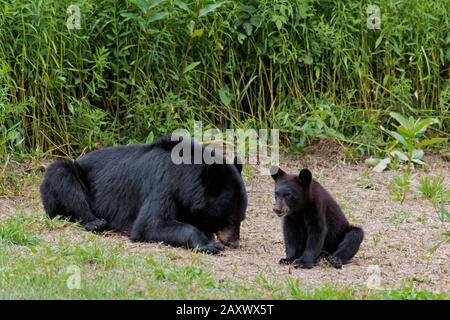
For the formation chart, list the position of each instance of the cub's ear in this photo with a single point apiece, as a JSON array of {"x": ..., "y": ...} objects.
[
  {"x": 276, "y": 172},
  {"x": 305, "y": 177},
  {"x": 238, "y": 163}
]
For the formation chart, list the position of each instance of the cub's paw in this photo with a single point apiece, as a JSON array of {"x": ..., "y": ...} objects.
[
  {"x": 303, "y": 264},
  {"x": 334, "y": 261},
  {"x": 211, "y": 248},
  {"x": 285, "y": 261},
  {"x": 96, "y": 225}
]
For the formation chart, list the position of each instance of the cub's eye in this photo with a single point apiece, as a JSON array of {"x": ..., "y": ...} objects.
[{"x": 288, "y": 195}]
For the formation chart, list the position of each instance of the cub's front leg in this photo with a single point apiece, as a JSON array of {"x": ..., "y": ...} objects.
[
  {"x": 316, "y": 231},
  {"x": 294, "y": 234}
]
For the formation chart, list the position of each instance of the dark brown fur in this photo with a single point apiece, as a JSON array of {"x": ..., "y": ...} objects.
[{"x": 313, "y": 223}]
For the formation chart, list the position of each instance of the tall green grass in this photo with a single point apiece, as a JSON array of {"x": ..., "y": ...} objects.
[{"x": 139, "y": 68}]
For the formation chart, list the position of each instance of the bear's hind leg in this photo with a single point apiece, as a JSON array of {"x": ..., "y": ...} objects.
[
  {"x": 348, "y": 247},
  {"x": 63, "y": 192}
]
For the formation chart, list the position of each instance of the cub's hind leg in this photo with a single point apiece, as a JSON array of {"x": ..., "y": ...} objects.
[{"x": 348, "y": 247}]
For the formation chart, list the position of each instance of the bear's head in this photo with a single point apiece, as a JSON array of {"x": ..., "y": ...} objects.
[
  {"x": 226, "y": 202},
  {"x": 292, "y": 192}
]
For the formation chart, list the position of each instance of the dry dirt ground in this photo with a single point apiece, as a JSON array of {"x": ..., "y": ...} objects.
[{"x": 398, "y": 237}]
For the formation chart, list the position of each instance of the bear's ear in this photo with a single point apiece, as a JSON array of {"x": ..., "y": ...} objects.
[
  {"x": 305, "y": 177},
  {"x": 276, "y": 172},
  {"x": 214, "y": 171},
  {"x": 238, "y": 163},
  {"x": 214, "y": 178}
]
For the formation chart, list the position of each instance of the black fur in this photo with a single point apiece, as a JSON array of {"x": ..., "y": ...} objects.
[
  {"x": 313, "y": 223},
  {"x": 137, "y": 189}
]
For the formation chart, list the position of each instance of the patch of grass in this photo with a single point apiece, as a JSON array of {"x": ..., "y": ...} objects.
[
  {"x": 446, "y": 239},
  {"x": 16, "y": 178},
  {"x": 399, "y": 186},
  {"x": 98, "y": 252},
  {"x": 421, "y": 218},
  {"x": 408, "y": 293},
  {"x": 400, "y": 217},
  {"x": 13, "y": 230},
  {"x": 376, "y": 239},
  {"x": 432, "y": 187},
  {"x": 249, "y": 171},
  {"x": 56, "y": 223},
  {"x": 325, "y": 293},
  {"x": 365, "y": 183}
]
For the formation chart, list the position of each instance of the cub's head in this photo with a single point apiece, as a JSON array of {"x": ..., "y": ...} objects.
[{"x": 292, "y": 192}]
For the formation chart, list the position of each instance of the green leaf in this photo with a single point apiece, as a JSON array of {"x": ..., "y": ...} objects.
[
  {"x": 209, "y": 8},
  {"x": 182, "y": 5},
  {"x": 157, "y": 16},
  {"x": 191, "y": 26},
  {"x": 382, "y": 165},
  {"x": 417, "y": 154},
  {"x": 129, "y": 15},
  {"x": 372, "y": 162},
  {"x": 400, "y": 139},
  {"x": 418, "y": 161},
  {"x": 225, "y": 96},
  {"x": 431, "y": 141},
  {"x": 279, "y": 24},
  {"x": 248, "y": 28},
  {"x": 422, "y": 125},
  {"x": 241, "y": 37},
  {"x": 400, "y": 155},
  {"x": 308, "y": 60},
  {"x": 377, "y": 43},
  {"x": 255, "y": 21},
  {"x": 396, "y": 136},
  {"x": 191, "y": 66},
  {"x": 155, "y": 3},
  {"x": 405, "y": 132},
  {"x": 402, "y": 120},
  {"x": 197, "y": 33},
  {"x": 150, "y": 138},
  {"x": 141, "y": 3},
  {"x": 70, "y": 107}
]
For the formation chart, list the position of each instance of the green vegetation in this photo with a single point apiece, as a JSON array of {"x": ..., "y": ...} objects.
[
  {"x": 12, "y": 231},
  {"x": 140, "y": 68},
  {"x": 366, "y": 183},
  {"x": 435, "y": 190}
]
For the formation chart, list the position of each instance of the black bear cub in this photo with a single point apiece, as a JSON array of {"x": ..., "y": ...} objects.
[
  {"x": 313, "y": 223},
  {"x": 140, "y": 190}
]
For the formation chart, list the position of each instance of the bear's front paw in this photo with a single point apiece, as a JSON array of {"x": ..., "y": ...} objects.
[
  {"x": 304, "y": 264},
  {"x": 285, "y": 261},
  {"x": 96, "y": 225},
  {"x": 335, "y": 261},
  {"x": 211, "y": 248}
]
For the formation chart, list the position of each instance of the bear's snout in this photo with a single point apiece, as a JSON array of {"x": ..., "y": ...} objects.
[{"x": 229, "y": 236}]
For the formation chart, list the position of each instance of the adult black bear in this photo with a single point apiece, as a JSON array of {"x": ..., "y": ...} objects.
[
  {"x": 139, "y": 190},
  {"x": 313, "y": 223}
]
